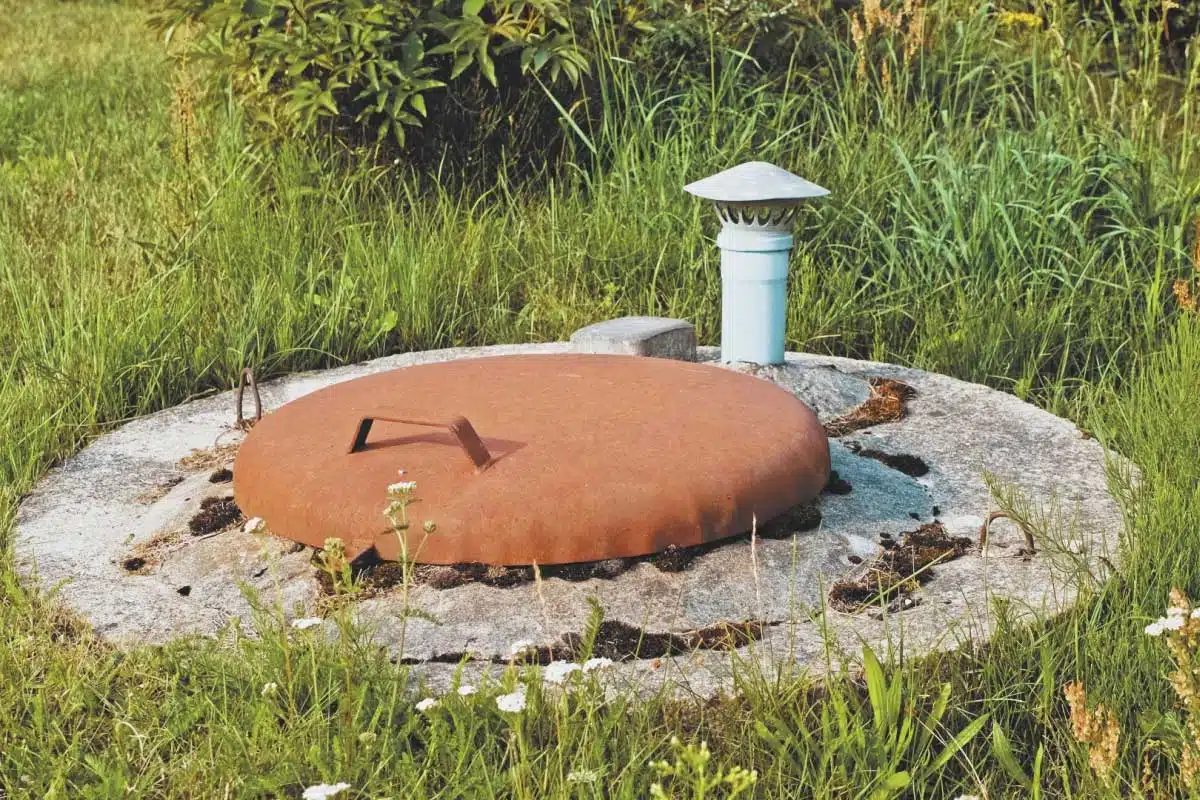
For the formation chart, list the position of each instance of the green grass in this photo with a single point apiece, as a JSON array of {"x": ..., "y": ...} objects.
[{"x": 1007, "y": 210}]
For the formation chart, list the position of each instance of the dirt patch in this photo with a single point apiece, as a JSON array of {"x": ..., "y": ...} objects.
[
  {"x": 158, "y": 491},
  {"x": 888, "y": 403},
  {"x": 375, "y": 575},
  {"x": 896, "y": 572},
  {"x": 208, "y": 458},
  {"x": 910, "y": 465},
  {"x": 222, "y": 475},
  {"x": 837, "y": 484},
  {"x": 215, "y": 514},
  {"x": 145, "y": 555},
  {"x": 620, "y": 641},
  {"x": 674, "y": 558},
  {"x": 623, "y": 642},
  {"x": 798, "y": 519}
]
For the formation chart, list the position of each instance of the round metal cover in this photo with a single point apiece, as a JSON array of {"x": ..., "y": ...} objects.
[{"x": 560, "y": 459}]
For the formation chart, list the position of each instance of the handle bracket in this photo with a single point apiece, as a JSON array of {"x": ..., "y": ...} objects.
[{"x": 460, "y": 428}]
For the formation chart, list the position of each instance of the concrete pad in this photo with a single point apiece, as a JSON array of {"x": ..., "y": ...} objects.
[{"x": 127, "y": 496}]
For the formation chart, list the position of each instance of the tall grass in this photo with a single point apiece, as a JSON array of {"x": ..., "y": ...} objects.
[{"x": 1008, "y": 207}]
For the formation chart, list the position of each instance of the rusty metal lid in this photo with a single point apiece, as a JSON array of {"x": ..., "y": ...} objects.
[{"x": 544, "y": 459}]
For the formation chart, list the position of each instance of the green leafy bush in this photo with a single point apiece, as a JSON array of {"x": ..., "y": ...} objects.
[
  {"x": 477, "y": 75},
  {"x": 361, "y": 63}
]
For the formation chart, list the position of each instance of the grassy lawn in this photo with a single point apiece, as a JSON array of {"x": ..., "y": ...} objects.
[{"x": 1011, "y": 210}]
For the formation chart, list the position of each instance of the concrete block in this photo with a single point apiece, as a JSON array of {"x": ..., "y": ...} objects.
[{"x": 659, "y": 337}]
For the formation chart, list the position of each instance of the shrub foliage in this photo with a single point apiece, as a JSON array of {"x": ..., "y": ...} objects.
[
  {"x": 374, "y": 63},
  {"x": 376, "y": 69}
]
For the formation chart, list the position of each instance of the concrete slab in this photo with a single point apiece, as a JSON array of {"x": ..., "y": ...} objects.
[
  {"x": 128, "y": 496},
  {"x": 658, "y": 337}
]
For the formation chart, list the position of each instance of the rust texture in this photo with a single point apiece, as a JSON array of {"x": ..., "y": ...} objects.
[{"x": 589, "y": 457}]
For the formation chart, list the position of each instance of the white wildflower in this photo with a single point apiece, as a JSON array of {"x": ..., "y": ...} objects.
[
  {"x": 403, "y": 487},
  {"x": 466, "y": 690},
  {"x": 967, "y": 797},
  {"x": 512, "y": 703},
  {"x": 1154, "y": 629},
  {"x": 596, "y": 663},
  {"x": 559, "y": 671},
  {"x": 426, "y": 704},
  {"x": 1196, "y": 613},
  {"x": 307, "y": 622},
  {"x": 1176, "y": 611},
  {"x": 269, "y": 688},
  {"x": 583, "y": 776},
  {"x": 323, "y": 790},
  {"x": 254, "y": 525},
  {"x": 1171, "y": 623}
]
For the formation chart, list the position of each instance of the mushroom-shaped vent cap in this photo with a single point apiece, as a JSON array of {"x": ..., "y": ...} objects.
[{"x": 754, "y": 182}]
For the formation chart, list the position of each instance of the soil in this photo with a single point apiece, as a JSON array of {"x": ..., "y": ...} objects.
[
  {"x": 621, "y": 641},
  {"x": 896, "y": 572},
  {"x": 888, "y": 403},
  {"x": 215, "y": 514},
  {"x": 910, "y": 465},
  {"x": 222, "y": 475},
  {"x": 208, "y": 458},
  {"x": 378, "y": 575},
  {"x": 837, "y": 484}
]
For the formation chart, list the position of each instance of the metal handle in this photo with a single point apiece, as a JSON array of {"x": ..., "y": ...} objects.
[
  {"x": 247, "y": 377},
  {"x": 459, "y": 427}
]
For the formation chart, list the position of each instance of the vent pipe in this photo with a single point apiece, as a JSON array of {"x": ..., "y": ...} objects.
[{"x": 757, "y": 204}]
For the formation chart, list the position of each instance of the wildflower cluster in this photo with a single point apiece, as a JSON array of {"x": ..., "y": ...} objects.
[
  {"x": 1022, "y": 19},
  {"x": 1097, "y": 728},
  {"x": 1181, "y": 629},
  {"x": 558, "y": 672},
  {"x": 514, "y": 702},
  {"x": 323, "y": 791},
  {"x": 511, "y": 703},
  {"x": 908, "y": 23},
  {"x": 399, "y": 495}
]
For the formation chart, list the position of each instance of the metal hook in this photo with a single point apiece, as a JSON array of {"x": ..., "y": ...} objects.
[{"x": 247, "y": 377}]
